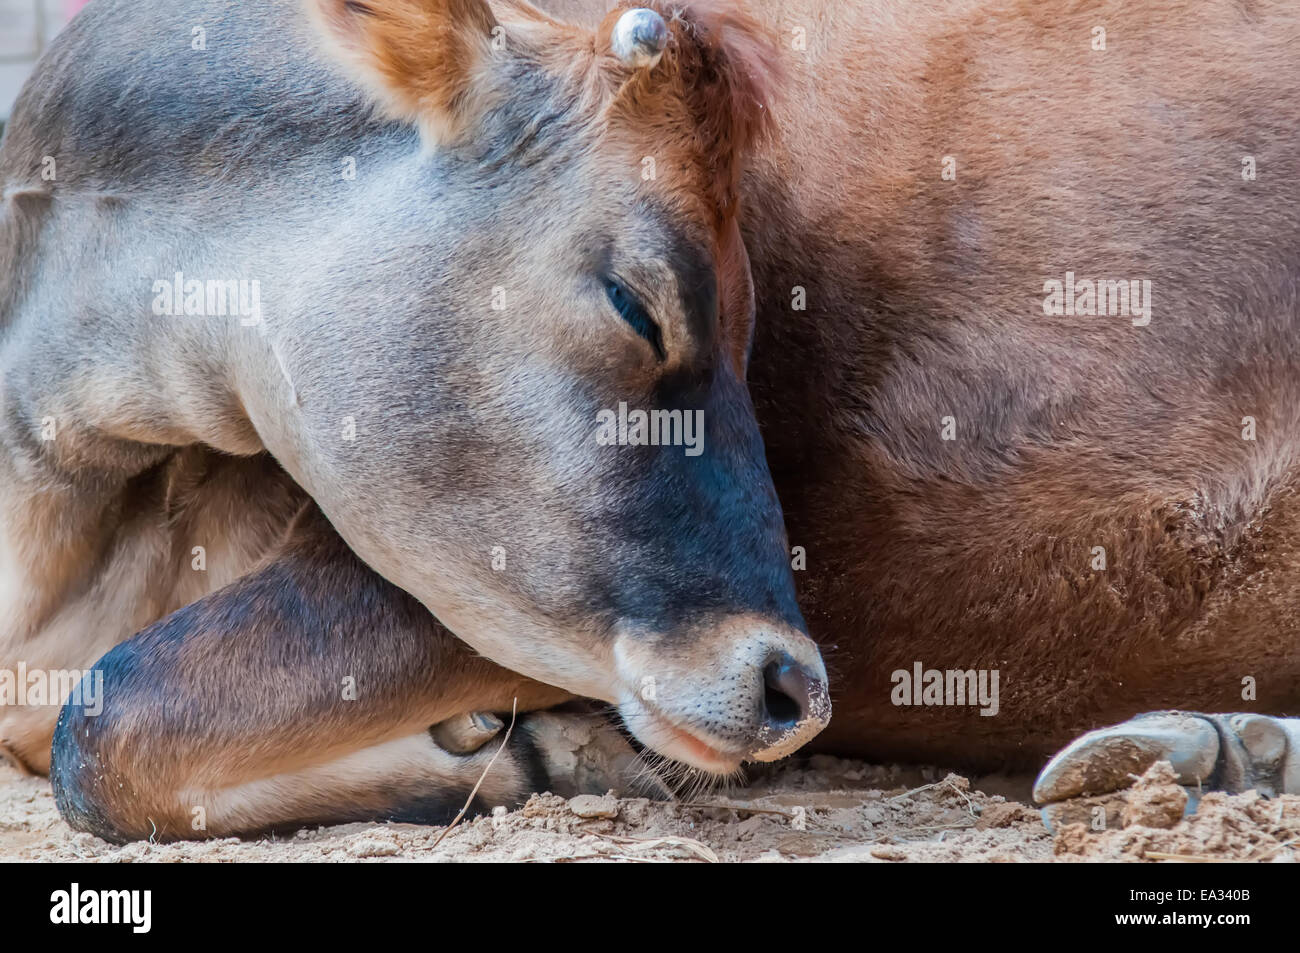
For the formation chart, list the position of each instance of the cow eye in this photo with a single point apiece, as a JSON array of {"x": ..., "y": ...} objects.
[{"x": 632, "y": 311}]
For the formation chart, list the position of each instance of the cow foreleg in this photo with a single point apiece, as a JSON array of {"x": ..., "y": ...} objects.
[
  {"x": 304, "y": 693},
  {"x": 1232, "y": 753}
]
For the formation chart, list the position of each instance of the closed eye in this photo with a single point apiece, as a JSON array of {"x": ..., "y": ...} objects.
[{"x": 631, "y": 311}]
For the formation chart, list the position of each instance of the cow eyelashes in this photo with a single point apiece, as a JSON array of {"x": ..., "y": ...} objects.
[{"x": 631, "y": 311}]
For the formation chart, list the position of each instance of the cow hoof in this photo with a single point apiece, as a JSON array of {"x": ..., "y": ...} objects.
[
  {"x": 465, "y": 734},
  {"x": 1110, "y": 758},
  {"x": 1232, "y": 753}
]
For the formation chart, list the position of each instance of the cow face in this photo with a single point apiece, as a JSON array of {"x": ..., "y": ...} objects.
[{"x": 546, "y": 331}]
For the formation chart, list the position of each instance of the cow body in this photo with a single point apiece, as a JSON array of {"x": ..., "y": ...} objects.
[{"x": 1168, "y": 440}]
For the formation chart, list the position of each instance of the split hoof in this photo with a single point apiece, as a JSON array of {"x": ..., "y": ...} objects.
[{"x": 1232, "y": 753}]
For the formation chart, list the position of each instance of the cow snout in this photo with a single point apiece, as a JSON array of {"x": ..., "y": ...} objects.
[
  {"x": 788, "y": 693},
  {"x": 724, "y": 693},
  {"x": 795, "y": 706}
]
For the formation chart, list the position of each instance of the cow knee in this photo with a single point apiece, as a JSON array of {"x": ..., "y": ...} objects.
[{"x": 87, "y": 793}]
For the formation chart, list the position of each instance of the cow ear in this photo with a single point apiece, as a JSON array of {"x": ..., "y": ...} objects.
[{"x": 417, "y": 58}]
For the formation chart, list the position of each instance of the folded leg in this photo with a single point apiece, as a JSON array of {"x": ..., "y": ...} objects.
[{"x": 302, "y": 693}]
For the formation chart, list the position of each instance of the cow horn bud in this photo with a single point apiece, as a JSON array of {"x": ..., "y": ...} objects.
[{"x": 639, "y": 37}]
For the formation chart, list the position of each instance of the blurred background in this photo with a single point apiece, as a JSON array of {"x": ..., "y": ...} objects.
[{"x": 26, "y": 28}]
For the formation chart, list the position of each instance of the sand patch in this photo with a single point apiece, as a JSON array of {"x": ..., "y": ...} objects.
[{"x": 819, "y": 810}]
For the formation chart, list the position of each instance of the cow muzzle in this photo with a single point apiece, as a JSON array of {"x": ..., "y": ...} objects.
[{"x": 736, "y": 691}]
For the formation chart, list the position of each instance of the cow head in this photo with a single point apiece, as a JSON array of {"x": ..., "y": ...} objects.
[{"x": 540, "y": 325}]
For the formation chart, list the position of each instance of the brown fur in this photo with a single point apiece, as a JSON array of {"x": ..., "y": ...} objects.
[
  {"x": 1072, "y": 432},
  {"x": 705, "y": 104}
]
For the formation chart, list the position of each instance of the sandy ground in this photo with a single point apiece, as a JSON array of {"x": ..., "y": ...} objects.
[{"x": 824, "y": 809}]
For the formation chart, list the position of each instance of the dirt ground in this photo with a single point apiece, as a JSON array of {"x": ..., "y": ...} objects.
[{"x": 824, "y": 809}]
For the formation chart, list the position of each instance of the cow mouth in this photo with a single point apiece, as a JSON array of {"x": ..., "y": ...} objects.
[{"x": 669, "y": 739}]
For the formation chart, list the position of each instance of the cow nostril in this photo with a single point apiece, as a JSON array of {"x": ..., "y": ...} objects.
[{"x": 785, "y": 691}]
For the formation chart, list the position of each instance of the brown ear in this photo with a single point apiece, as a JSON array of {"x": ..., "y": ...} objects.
[{"x": 418, "y": 58}]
